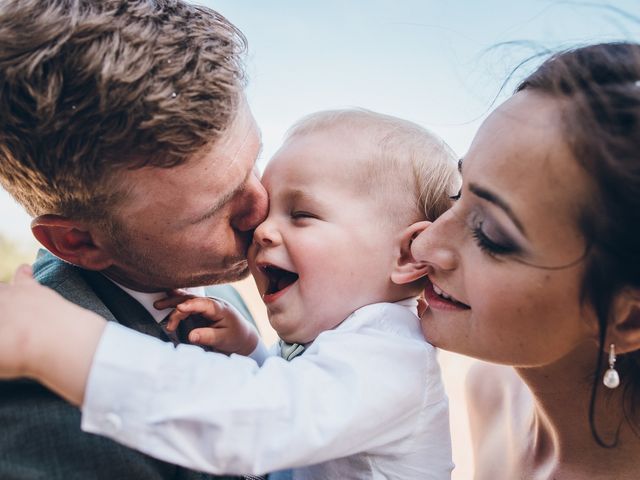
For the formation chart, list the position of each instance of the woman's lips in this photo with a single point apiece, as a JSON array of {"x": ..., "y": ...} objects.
[{"x": 437, "y": 301}]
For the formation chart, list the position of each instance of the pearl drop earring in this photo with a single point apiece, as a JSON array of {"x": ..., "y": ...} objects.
[{"x": 611, "y": 378}]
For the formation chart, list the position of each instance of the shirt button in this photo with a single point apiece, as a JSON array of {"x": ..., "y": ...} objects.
[{"x": 112, "y": 422}]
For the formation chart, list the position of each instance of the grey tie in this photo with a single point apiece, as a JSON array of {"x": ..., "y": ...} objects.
[{"x": 289, "y": 351}]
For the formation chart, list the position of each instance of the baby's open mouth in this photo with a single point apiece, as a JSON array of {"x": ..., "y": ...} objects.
[{"x": 279, "y": 279}]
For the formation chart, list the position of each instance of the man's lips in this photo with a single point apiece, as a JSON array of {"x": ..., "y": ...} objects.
[{"x": 438, "y": 299}]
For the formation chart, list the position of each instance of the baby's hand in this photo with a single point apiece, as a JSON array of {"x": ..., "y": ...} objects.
[{"x": 228, "y": 332}]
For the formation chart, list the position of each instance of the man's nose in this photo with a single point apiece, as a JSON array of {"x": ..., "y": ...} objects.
[{"x": 254, "y": 204}]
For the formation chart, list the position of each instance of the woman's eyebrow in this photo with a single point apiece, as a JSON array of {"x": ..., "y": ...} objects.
[
  {"x": 499, "y": 202},
  {"x": 460, "y": 164}
]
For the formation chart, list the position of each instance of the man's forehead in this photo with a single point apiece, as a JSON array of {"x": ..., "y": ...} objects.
[
  {"x": 201, "y": 183},
  {"x": 197, "y": 188},
  {"x": 241, "y": 136}
]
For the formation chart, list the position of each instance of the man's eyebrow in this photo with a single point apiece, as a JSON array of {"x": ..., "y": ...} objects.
[
  {"x": 227, "y": 196},
  {"x": 496, "y": 200}
]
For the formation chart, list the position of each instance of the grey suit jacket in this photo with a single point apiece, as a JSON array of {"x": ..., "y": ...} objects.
[{"x": 40, "y": 436}]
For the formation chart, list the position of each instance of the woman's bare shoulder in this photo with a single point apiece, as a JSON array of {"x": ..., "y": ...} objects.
[
  {"x": 488, "y": 386},
  {"x": 496, "y": 399}
]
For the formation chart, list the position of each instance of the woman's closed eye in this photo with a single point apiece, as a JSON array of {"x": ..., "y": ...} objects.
[{"x": 489, "y": 239}]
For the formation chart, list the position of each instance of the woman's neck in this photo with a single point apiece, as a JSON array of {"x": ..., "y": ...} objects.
[{"x": 561, "y": 443}]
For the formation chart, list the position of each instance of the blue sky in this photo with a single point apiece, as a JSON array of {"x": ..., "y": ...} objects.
[{"x": 438, "y": 63}]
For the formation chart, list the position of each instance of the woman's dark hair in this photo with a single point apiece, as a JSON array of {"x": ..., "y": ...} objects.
[{"x": 600, "y": 86}]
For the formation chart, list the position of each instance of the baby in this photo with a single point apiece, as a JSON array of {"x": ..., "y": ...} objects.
[{"x": 349, "y": 190}]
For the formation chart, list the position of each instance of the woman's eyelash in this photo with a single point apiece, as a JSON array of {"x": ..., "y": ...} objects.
[
  {"x": 486, "y": 244},
  {"x": 456, "y": 196}
]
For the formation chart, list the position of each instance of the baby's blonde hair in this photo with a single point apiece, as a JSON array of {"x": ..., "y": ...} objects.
[{"x": 392, "y": 154}]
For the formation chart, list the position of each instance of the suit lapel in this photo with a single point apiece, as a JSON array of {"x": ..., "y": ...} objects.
[
  {"x": 93, "y": 291},
  {"x": 124, "y": 308}
]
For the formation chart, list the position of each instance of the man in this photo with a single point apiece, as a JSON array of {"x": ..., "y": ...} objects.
[{"x": 124, "y": 132}]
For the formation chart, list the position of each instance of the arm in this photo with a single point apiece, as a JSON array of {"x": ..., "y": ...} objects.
[
  {"x": 226, "y": 415},
  {"x": 27, "y": 408},
  {"x": 499, "y": 408},
  {"x": 41, "y": 438},
  {"x": 30, "y": 342},
  {"x": 229, "y": 415}
]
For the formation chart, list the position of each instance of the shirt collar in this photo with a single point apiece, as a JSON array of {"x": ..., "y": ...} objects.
[
  {"x": 147, "y": 299},
  {"x": 411, "y": 303}
]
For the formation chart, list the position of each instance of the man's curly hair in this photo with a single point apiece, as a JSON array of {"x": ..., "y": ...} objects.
[{"x": 89, "y": 88}]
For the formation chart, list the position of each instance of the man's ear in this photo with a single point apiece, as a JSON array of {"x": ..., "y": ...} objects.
[
  {"x": 406, "y": 268},
  {"x": 624, "y": 327},
  {"x": 71, "y": 241}
]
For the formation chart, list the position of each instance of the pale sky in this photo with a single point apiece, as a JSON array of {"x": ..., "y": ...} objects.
[{"x": 438, "y": 63}]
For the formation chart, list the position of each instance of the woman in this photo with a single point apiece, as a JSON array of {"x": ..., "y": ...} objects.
[{"x": 537, "y": 266}]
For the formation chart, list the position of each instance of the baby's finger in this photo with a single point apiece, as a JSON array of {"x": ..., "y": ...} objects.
[
  {"x": 208, "y": 337},
  {"x": 193, "y": 305},
  {"x": 172, "y": 300},
  {"x": 175, "y": 318},
  {"x": 207, "y": 307}
]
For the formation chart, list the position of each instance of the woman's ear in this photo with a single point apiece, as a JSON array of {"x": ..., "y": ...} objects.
[
  {"x": 71, "y": 241},
  {"x": 624, "y": 327},
  {"x": 406, "y": 269}
]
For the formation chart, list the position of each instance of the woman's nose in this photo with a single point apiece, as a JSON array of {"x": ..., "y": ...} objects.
[{"x": 436, "y": 245}]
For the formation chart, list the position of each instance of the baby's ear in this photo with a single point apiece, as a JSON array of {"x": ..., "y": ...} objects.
[
  {"x": 624, "y": 328},
  {"x": 406, "y": 269}
]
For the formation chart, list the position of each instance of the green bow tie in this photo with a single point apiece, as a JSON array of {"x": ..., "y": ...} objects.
[{"x": 289, "y": 351}]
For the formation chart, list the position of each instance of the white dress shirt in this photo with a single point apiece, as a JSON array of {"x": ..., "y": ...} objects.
[
  {"x": 364, "y": 401},
  {"x": 148, "y": 299}
]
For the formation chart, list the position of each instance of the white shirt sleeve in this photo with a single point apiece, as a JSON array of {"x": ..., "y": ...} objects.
[
  {"x": 261, "y": 353},
  {"x": 354, "y": 389}
]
